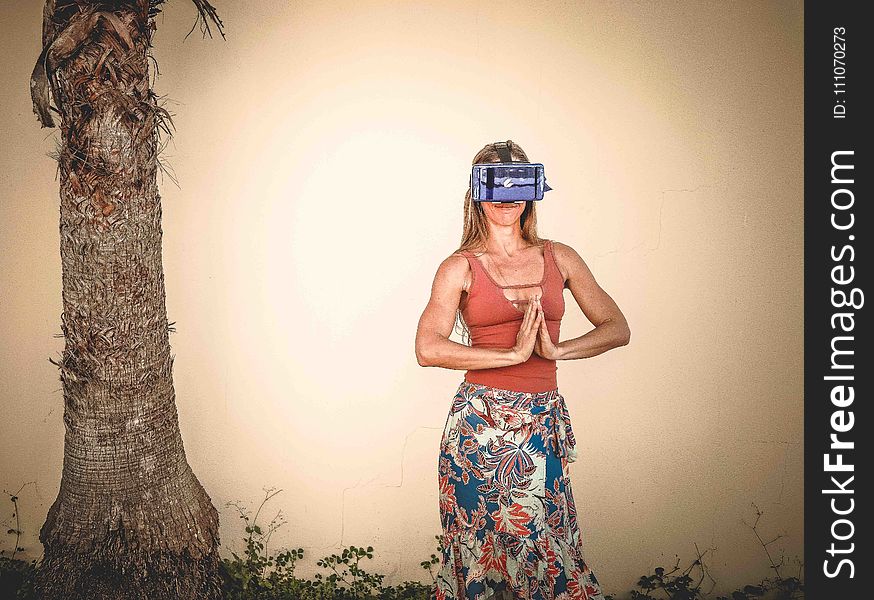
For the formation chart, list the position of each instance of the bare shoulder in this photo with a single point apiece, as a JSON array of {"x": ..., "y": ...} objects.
[
  {"x": 454, "y": 263},
  {"x": 572, "y": 266},
  {"x": 453, "y": 272},
  {"x": 567, "y": 259}
]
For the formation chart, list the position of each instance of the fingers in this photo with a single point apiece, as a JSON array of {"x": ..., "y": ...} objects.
[
  {"x": 530, "y": 338},
  {"x": 532, "y": 320},
  {"x": 541, "y": 319},
  {"x": 538, "y": 314},
  {"x": 543, "y": 332},
  {"x": 530, "y": 315},
  {"x": 539, "y": 333},
  {"x": 527, "y": 318},
  {"x": 531, "y": 310},
  {"x": 535, "y": 323},
  {"x": 524, "y": 338}
]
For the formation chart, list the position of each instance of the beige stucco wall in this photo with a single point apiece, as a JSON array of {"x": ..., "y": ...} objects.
[{"x": 672, "y": 134}]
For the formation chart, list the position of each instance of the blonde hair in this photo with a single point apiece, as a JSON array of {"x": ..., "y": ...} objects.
[{"x": 476, "y": 230}]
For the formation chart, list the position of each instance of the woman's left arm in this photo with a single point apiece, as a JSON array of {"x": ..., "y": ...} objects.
[{"x": 611, "y": 328}]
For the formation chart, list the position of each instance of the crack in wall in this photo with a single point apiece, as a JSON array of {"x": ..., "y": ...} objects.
[
  {"x": 343, "y": 506},
  {"x": 397, "y": 485},
  {"x": 717, "y": 183},
  {"x": 404, "y": 452}
]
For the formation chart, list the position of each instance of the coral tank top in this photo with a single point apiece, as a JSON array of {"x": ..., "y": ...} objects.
[{"x": 494, "y": 322}]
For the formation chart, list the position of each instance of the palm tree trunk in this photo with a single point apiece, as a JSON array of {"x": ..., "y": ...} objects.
[{"x": 131, "y": 520}]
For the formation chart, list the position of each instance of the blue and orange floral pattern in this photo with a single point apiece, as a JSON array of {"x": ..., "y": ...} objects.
[{"x": 506, "y": 506}]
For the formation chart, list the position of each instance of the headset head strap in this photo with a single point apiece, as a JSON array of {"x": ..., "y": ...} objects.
[{"x": 503, "y": 150}]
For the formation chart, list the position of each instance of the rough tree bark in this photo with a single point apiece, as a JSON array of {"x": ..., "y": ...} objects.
[{"x": 131, "y": 520}]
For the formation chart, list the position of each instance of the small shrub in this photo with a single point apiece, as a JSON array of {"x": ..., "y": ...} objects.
[
  {"x": 15, "y": 574},
  {"x": 686, "y": 584},
  {"x": 260, "y": 575}
]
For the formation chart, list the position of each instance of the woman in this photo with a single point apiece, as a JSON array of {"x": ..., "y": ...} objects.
[{"x": 506, "y": 507}]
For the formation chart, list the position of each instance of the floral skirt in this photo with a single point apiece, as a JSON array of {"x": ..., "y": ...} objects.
[{"x": 506, "y": 507}]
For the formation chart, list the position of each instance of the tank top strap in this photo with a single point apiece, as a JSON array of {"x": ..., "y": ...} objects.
[
  {"x": 551, "y": 262},
  {"x": 473, "y": 262},
  {"x": 469, "y": 256}
]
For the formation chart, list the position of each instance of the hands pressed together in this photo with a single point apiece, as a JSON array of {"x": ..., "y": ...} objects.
[{"x": 533, "y": 335}]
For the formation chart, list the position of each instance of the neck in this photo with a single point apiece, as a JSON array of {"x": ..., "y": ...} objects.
[{"x": 505, "y": 240}]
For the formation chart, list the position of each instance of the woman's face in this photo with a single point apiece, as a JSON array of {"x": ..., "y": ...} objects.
[{"x": 503, "y": 213}]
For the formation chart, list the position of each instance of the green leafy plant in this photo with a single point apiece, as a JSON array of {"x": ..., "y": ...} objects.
[
  {"x": 258, "y": 574},
  {"x": 434, "y": 561},
  {"x": 346, "y": 572}
]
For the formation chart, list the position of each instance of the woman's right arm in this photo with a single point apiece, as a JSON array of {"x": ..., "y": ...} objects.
[{"x": 433, "y": 346}]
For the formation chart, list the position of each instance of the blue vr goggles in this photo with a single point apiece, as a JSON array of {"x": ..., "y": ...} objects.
[{"x": 508, "y": 180}]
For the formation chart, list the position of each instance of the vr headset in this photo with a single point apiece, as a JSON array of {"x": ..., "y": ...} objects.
[{"x": 508, "y": 180}]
